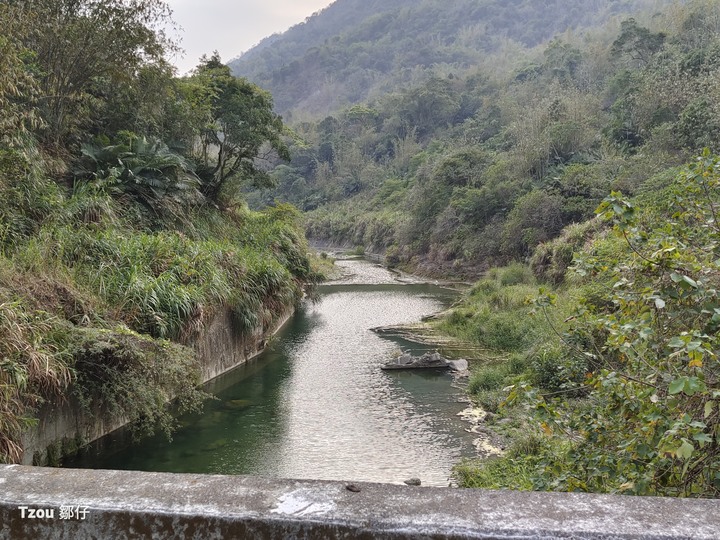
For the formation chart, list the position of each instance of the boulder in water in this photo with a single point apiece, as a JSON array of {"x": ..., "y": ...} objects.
[{"x": 426, "y": 361}]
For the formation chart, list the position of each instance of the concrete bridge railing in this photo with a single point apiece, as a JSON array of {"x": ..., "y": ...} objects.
[{"x": 39, "y": 503}]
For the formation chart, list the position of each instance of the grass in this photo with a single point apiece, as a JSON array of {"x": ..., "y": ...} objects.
[
  {"x": 520, "y": 344},
  {"x": 496, "y": 315},
  {"x": 516, "y": 470},
  {"x": 164, "y": 283},
  {"x": 92, "y": 290},
  {"x": 33, "y": 368},
  {"x": 324, "y": 266}
]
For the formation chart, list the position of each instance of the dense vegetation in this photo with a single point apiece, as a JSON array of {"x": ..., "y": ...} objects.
[
  {"x": 609, "y": 374},
  {"x": 476, "y": 167},
  {"x": 620, "y": 369},
  {"x": 121, "y": 230},
  {"x": 355, "y": 50},
  {"x": 449, "y": 143}
]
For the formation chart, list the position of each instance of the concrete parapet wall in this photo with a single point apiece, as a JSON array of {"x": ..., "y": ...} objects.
[{"x": 126, "y": 504}]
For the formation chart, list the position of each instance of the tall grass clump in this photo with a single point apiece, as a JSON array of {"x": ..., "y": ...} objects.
[
  {"x": 167, "y": 285},
  {"x": 517, "y": 469},
  {"x": 33, "y": 368},
  {"x": 495, "y": 314}
]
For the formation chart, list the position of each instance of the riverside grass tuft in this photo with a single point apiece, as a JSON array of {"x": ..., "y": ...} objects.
[{"x": 497, "y": 314}]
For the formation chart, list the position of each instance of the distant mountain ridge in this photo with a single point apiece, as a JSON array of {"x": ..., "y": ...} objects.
[
  {"x": 354, "y": 48},
  {"x": 314, "y": 31}
]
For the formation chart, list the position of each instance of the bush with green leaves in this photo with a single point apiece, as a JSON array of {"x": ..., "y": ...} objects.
[
  {"x": 121, "y": 374},
  {"x": 652, "y": 421},
  {"x": 144, "y": 170}
]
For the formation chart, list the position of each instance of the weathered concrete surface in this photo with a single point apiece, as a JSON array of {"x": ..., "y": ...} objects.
[
  {"x": 61, "y": 424},
  {"x": 219, "y": 349},
  {"x": 125, "y": 504}
]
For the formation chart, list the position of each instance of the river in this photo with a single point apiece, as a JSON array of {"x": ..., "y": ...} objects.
[{"x": 316, "y": 404}]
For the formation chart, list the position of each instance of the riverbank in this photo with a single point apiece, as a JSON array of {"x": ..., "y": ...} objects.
[
  {"x": 316, "y": 404},
  {"x": 66, "y": 425},
  {"x": 106, "y": 320},
  {"x": 416, "y": 270}
]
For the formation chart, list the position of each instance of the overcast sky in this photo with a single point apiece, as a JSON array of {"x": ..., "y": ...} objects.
[{"x": 233, "y": 26}]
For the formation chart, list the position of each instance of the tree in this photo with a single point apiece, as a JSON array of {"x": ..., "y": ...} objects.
[
  {"x": 535, "y": 218},
  {"x": 561, "y": 60},
  {"x": 81, "y": 47},
  {"x": 240, "y": 128},
  {"x": 636, "y": 43},
  {"x": 18, "y": 86},
  {"x": 429, "y": 107}
]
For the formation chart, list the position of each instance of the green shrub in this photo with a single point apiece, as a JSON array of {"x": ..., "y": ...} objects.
[
  {"x": 516, "y": 274},
  {"x": 126, "y": 375},
  {"x": 488, "y": 378},
  {"x": 485, "y": 286}
]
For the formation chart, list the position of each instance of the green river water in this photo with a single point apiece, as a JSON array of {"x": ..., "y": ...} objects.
[{"x": 316, "y": 404}]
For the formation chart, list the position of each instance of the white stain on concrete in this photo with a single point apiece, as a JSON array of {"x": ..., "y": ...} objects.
[{"x": 304, "y": 502}]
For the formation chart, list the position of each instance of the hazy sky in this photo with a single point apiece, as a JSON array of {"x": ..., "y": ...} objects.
[{"x": 233, "y": 26}]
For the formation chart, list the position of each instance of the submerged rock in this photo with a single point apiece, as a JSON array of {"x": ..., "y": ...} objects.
[{"x": 236, "y": 404}]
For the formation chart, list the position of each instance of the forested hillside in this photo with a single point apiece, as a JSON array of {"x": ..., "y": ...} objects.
[
  {"x": 356, "y": 50},
  {"x": 478, "y": 167},
  {"x": 122, "y": 232},
  {"x": 599, "y": 344},
  {"x": 599, "y": 339}
]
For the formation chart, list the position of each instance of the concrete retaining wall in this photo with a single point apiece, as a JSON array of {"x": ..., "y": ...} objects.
[
  {"x": 125, "y": 504},
  {"x": 63, "y": 427}
]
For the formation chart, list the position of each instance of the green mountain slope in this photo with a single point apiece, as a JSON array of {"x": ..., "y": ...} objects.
[
  {"x": 469, "y": 169},
  {"x": 355, "y": 49}
]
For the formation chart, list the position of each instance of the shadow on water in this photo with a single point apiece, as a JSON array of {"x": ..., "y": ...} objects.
[{"x": 316, "y": 404}]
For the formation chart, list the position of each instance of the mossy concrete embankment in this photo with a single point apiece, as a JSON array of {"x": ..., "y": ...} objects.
[{"x": 65, "y": 425}]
